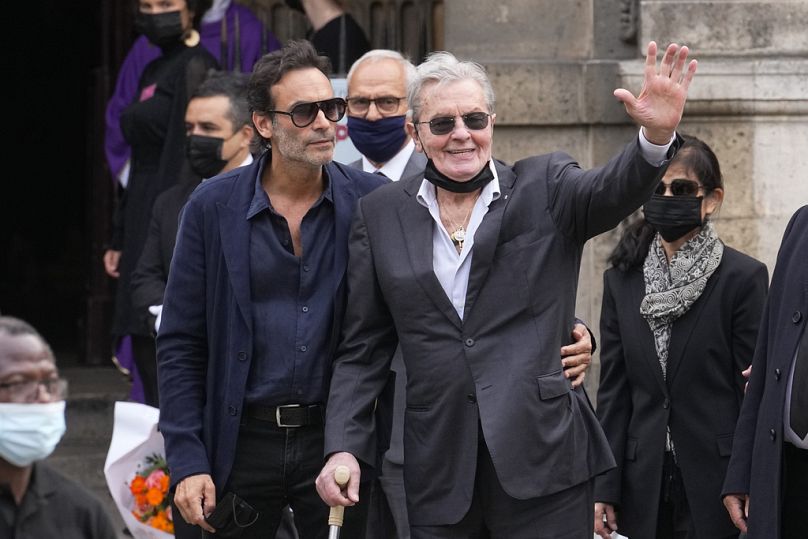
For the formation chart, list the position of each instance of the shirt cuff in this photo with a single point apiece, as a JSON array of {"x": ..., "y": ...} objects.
[{"x": 654, "y": 154}]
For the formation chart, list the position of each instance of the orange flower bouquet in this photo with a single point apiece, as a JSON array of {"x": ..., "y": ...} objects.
[{"x": 149, "y": 488}]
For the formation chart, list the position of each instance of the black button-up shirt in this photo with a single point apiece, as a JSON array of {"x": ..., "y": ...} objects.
[{"x": 292, "y": 301}]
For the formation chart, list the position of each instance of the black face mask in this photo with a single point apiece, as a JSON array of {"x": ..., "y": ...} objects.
[
  {"x": 204, "y": 155},
  {"x": 673, "y": 217},
  {"x": 161, "y": 29},
  {"x": 438, "y": 179}
]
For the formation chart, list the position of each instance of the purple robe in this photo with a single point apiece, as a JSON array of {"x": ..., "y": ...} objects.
[{"x": 251, "y": 32}]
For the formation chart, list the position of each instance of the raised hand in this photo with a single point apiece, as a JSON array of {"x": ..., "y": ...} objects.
[{"x": 658, "y": 108}]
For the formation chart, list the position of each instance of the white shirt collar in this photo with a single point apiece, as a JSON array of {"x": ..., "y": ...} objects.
[{"x": 394, "y": 168}]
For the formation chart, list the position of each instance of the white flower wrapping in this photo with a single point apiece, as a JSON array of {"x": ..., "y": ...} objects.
[{"x": 134, "y": 437}]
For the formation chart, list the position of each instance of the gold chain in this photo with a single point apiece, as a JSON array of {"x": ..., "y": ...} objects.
[{"x": 458, "y": 235}]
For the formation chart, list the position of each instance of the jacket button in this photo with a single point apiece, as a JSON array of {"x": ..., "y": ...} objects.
[
  {"x": 772, "y": 435},
  {"x": 796, "y": 317},
  {"x": 242, "y": 356},
  {"x": 666, "y": 404},
  {"x": 777, "y": 374},
  {"x": 471, "y": 398},
  {"x": 232, "y": 410},
  {"x": 469, "y": 342}
]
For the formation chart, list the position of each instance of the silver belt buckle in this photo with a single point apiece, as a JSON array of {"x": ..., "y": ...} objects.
[{"x": 278, "y": 415}]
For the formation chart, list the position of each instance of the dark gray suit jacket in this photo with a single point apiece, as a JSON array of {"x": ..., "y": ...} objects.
[
  {"x": 498, "y": 368},
  {"x": 760, "y": 426},
  {"x": 395, "y": 454}
]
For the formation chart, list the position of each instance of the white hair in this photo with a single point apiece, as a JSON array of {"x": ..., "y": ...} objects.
[
  {"x": 377, "y": 55},
  {"x": 441, "y": 68}
]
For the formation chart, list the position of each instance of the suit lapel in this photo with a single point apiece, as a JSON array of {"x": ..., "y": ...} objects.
[
  {"x": 345, "y": 197},
  {"x": 416, "y": 230},
  {"x": 487, "y": 235},
  {"x": 684, "y": 326},
  {"x": 415, "y": 165},
  {"x": 234, "y": 229}
]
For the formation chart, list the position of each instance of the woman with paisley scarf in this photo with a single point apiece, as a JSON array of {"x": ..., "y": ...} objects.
[{"x": 678, "y": 325}]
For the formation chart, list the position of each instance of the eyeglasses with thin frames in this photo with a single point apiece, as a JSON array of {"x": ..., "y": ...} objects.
[
  {"x": 304, "y": 114},
  {"x": 443, "y": 125},
  {"x": 386, "y": 104},
  {"x": 679, "y": 187},
  {"x": 26, "y": 391}
]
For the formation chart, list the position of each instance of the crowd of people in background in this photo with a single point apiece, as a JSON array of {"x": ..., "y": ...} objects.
[{"x": 410, "y": 315}]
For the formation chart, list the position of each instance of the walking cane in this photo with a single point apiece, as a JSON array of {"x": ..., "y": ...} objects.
[{"x": 341, "y": 475}]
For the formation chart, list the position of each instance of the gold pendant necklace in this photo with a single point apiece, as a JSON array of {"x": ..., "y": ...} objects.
[{"x": 458, "y": 235}]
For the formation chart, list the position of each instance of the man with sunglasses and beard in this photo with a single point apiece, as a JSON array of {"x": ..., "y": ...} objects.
[
  {"x": 472, "y": 270},
  {"x": 252, "y": 309}
]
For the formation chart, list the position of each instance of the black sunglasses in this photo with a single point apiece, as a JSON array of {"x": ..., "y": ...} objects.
[
  {"x": 304, "y": 114},
  {"x": 444, "y": 125},
  {"x": 679, "y": 187}
]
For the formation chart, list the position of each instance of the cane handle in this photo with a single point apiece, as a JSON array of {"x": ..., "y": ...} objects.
[{"x": 341, "y": 475}]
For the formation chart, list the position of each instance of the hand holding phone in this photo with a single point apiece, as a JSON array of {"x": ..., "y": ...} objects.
[{"x": 231, "y": 516}]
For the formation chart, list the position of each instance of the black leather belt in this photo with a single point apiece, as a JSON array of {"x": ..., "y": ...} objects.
[{"x": 288, "y": 415}]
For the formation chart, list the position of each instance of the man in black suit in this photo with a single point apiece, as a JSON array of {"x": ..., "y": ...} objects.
[
  {"x": 766, "y": 487},
  {"x": 472, "y": 270}
]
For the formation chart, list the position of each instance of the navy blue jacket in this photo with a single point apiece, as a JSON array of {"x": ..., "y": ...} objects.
[{"x": 205, "y": 342}]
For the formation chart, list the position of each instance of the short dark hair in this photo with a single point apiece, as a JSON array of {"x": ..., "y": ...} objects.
[
  {"x": 270, "y": 69},
  {"x": 233, "y": 86}
]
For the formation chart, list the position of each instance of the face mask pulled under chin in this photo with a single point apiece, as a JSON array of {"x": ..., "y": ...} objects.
[
  {"x": 161, "y": 29},
  {"x": 30, "y": 432},
  {"x": 673, "y": 216}
]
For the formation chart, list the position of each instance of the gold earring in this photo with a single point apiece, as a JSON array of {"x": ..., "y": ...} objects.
[{"x": 191, "y": 38}]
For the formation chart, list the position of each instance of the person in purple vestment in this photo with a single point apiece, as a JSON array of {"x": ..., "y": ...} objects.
[{"x": 242, "y": 28}]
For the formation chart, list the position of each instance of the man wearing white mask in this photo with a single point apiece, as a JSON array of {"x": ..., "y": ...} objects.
[{"x": 36, "y": 501}]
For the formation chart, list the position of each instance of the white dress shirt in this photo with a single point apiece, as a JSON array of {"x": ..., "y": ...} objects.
[{"x": 393, "y": 168}]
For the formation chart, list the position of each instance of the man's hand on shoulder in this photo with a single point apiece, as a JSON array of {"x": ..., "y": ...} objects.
[{"x": 576, "y": 357}]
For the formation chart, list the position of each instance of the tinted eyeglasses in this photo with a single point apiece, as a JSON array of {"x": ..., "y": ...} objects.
[
  {"x": 443, "y": 125},
  {"x": 386, "y": 104},
  {"x": 680, "y": 187},
  {"x": 28, "y": 390},
  {"x": 304, "y": 114}
]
